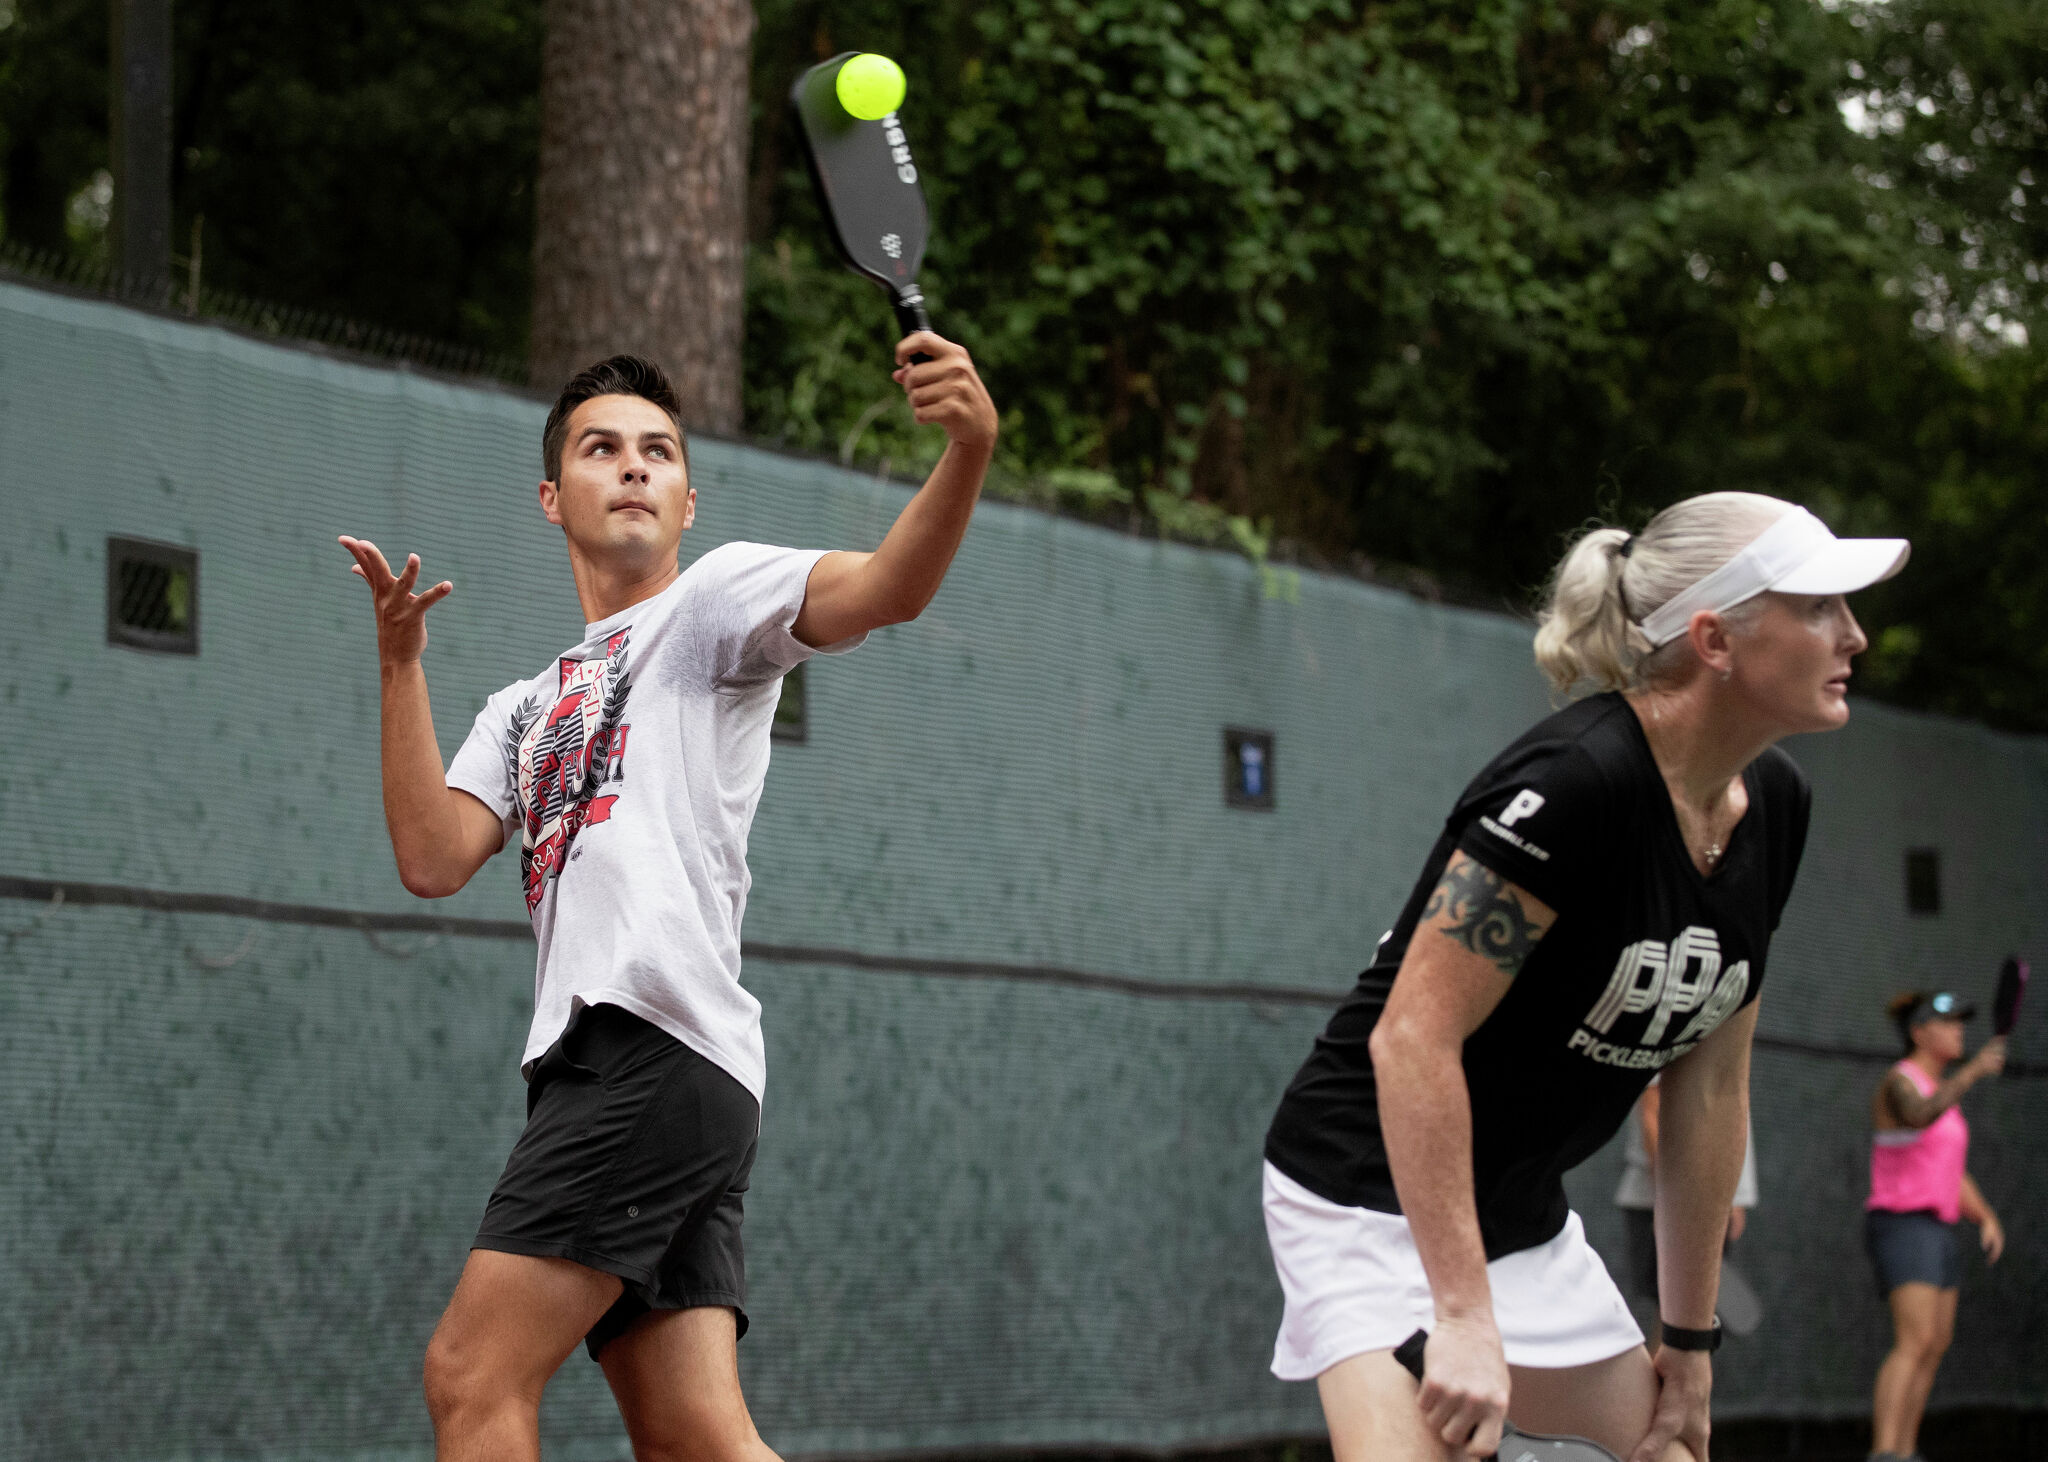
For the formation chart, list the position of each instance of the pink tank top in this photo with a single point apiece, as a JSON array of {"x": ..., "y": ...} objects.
[{"x": 1912, "y": 1169}]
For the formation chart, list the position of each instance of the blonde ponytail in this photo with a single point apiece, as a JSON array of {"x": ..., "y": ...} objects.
[
  {"x": 1583, "y": 633},
  {"x": 1589, "y": 632}
]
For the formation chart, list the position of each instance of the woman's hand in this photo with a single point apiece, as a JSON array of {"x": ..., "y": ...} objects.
[
  {"x": 1991, "y": 1234},
  {"x": 1685, "y": 1383},
  {"x": 1989, "y": 1061},
  {"x": 1464, "y": 1395}
]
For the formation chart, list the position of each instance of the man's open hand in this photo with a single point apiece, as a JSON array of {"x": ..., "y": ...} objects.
[
  {"x": 401, "y": 614},
  {"x": 946, "y": 390}
]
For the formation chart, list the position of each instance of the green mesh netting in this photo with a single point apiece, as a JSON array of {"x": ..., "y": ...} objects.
[{"x": 1008, "y": 935}]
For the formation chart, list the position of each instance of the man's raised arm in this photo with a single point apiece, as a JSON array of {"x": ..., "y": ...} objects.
[
  {"x": 849, "y": 594},
  {"x": 440, "y": 836}
]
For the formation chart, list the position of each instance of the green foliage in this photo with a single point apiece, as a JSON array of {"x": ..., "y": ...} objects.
[
  {"x": 372, "y": 159},
  {"x": 1397, "y": 284},
  {"x": 1432, "y": 285},
  {"x": 53, "y": 114}
]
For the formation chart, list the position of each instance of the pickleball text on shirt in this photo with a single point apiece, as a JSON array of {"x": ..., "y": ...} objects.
[{"x": 1662, "y": 980}]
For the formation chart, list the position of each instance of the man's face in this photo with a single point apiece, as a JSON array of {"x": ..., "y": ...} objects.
[{"x": 623, "y": 491}]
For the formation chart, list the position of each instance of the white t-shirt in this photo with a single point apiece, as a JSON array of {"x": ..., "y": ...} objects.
[{"x": 631, "y": 768}]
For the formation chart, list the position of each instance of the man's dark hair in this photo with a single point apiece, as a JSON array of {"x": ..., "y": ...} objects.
[{"x": 622, "y": 375}]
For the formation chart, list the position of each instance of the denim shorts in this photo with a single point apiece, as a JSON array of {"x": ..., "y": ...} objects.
[{"x": 1909, "y": 1248}]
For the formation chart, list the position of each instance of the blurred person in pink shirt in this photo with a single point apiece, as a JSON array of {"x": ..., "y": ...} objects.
[{"x": 1919, "y": 1187}]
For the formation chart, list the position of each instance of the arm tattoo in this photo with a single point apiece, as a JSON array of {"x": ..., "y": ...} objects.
[
  {"x": 1912, "y": 1108},
  {"x": 1481, "y": 912}
]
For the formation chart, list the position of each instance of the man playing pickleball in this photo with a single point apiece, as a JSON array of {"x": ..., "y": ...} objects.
[{"x": 629, "y": 769}]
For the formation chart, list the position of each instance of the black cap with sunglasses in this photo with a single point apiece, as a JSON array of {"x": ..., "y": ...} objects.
[
  {"x": 1916, "y": 1007},
  {"x": 1939, "y": 1007}
]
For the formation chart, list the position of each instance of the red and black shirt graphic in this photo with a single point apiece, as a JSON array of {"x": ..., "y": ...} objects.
[{"x": 561, "y": 752}]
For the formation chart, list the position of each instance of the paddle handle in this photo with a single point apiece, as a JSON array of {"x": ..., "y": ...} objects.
[
  {"x": 1409, "y": 1353},
  {"x": 911, "y": 318}
]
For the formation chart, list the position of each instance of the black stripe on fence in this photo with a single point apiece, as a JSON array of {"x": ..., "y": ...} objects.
[{"x": 60, "y": 893}]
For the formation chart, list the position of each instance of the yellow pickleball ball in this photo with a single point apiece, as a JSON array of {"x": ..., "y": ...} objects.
[{"x": 870, "y": 86}]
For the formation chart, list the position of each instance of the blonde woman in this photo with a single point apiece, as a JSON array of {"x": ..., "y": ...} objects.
[{"x": 1597, "y": 910}]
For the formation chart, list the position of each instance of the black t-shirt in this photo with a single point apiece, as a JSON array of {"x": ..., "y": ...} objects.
[{"x": 1646, "y": 958}]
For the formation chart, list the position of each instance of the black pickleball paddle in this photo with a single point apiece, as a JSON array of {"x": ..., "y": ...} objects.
[
  {"x": 1516, "y": 1445},
  {"x": 2012, "y": 988},
  {"x": 867, "y": 185}
]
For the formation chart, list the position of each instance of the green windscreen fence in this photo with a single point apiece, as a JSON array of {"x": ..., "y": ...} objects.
[{"x": 1032, "y": 982}]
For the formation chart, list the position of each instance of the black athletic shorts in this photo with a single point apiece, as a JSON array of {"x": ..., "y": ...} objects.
[
  {"x": 634, "y": 1160},
  {"x": 1911, "y": 1247}
]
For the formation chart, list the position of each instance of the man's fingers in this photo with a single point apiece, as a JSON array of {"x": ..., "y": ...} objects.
[
  {"x": 939, "y": 393},
  {"x": 932, "y": 372},
  {"x": 366, "y": 553},
  {"x": 923, "y": 342},
  {"x": 358, "y": 553},
  {"x": 944, "y": 406},
  {"x": 375, "y": 570}
]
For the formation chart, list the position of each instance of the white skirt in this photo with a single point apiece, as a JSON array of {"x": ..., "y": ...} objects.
[{"x": 1355, "y": 1284}]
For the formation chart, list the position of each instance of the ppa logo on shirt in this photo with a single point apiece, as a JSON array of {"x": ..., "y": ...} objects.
[
  {"x": 1661, "y": 981},
  {"x": 562, "y": 751}
]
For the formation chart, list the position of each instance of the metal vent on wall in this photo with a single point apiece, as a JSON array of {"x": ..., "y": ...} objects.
[
  {"x": 152, "y": 596},
  {"x": 1923, "y": 880}
]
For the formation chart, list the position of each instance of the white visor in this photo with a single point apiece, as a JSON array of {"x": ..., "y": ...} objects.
[{"x": 1795, "y": 555}]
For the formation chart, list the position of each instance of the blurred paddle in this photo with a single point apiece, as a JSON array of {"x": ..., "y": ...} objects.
[{"x": 2012, "y": 988}]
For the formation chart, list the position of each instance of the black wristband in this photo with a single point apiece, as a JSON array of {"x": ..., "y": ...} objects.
[{"x": 1680, "y": 1338}]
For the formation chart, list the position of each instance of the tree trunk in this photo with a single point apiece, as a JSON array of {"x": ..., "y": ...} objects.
[
  {"x": 140, "y": 147},
  {"x": 641, "y": 238}
]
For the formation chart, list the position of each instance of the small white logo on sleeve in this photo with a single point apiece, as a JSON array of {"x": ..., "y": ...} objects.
[{"x": 1525, "y": 804}]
